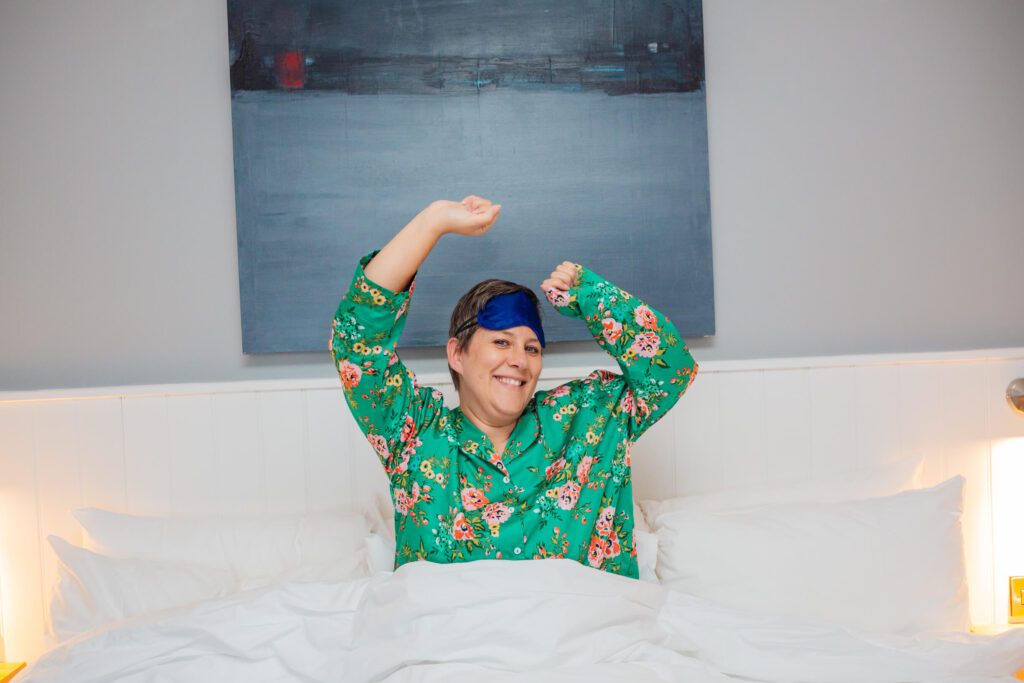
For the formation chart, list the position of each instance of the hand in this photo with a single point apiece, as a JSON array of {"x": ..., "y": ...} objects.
[
  {"x": 562, "y": 279},
  {"x": 472, "y": 216}
]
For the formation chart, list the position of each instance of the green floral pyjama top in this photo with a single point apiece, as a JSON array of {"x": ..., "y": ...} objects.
[{"x": 562, "y": 487}]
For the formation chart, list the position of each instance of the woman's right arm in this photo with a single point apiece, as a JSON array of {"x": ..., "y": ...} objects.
[
  {"x": 381, "y": 392},
  {"x": 397, "y": 263}
]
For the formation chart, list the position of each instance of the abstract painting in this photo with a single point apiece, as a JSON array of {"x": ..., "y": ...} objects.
[{"x": 586, "y": 120}]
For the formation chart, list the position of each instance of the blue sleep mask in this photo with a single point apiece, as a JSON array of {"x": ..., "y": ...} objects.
[{"x": 508, "y": 310}]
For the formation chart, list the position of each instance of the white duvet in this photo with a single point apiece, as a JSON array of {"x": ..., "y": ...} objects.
[{"x": 550, "y": 620}]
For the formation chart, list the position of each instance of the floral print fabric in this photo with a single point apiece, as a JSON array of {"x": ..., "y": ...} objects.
[{"x": 562, "y": 486}]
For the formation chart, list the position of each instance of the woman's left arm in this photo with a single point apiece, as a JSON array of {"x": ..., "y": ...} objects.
[{"x": 656, "y": 364}]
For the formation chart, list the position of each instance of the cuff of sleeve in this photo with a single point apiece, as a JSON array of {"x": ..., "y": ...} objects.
[
  {"x": 584, "y": 278},
  {"x": 376, "y": 294},
  {"x": 569, "y": 303}
]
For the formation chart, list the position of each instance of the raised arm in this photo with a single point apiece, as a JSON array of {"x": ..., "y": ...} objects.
[
  {"x": 396, "y": 264},
  {"x": 383, "y": 395},
  {"x": 656, "y": 364}
]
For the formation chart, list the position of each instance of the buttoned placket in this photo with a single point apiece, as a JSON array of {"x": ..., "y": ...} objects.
[{"x": 525, "y": 433}]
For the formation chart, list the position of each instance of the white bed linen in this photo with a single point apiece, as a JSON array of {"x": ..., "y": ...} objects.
[
  {"x": 503, "y": 620},
  {"x": 893, "y": 564},
  {"x": 327, "y": 546}
]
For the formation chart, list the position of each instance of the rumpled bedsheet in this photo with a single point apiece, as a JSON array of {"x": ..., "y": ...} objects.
[{"x": 545, "y": 620}]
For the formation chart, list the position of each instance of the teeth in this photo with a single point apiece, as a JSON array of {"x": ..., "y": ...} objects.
[{"x": 509, "y": 380}]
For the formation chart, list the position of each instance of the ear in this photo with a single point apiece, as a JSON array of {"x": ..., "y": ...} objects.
[{"x": 454, "y": 354}]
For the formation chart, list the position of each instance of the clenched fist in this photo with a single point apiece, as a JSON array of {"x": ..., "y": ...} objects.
[{"x": 562, "y": 279}]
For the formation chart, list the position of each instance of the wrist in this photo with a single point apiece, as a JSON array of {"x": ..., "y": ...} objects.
[{"x": 431, "y": 220}]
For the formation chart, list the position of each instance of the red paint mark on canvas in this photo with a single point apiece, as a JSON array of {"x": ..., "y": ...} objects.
[{"x": 290, "y": 67}]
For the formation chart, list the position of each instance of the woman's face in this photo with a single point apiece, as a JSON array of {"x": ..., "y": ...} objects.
[{"x": 498, "y": 372}]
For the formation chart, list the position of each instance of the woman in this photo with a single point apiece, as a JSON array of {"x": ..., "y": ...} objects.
[{"x": 509, "y": 474}]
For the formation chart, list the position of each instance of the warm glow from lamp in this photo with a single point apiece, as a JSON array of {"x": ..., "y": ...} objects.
[
  {"x": 1007, "y": 518},
  {"x": 3, "y": 648},
  {"x": 3, "y": 573}
]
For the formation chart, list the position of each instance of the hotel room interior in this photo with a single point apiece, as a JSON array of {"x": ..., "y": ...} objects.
[{"x": 839, "y": 496}]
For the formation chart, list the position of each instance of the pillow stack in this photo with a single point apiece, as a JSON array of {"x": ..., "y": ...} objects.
[
  {"x": 872, "y": 552},
  {"x": 313, "y": 547},
  {"x": 862, "y": 553},
  {"x": 133, "y": 565}
]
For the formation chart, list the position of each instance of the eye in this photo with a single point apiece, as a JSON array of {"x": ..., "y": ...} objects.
[
  {"x": 501, "y": 342},
  {"x": 533, "y": 349}
]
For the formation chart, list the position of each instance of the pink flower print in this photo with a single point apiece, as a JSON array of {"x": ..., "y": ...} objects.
[
  {"x": 583, "y": 469},
  {"x": 596, "y": 553},
  {"x": 473, "y": 499},
  {"x": 411, "y": 445},
  {"x": 612, "y": 330},
  {"x": 641, "y": 406},
  {"x": 410, "y": 450},
  {"x": 402, "y": 501},
  {"x": 403, "y": 465},
  {"x": 349, "y": 373},
  {"x": 605, "y": 519},
  {"x": 628, "y": 403},
  {"x": 461, "y": 530},
  {"x": 408, "y": 429},
  {"x": 559, "y": 391},
  {"x": 613, "y": 548},
  {"x": 496, "y": 513},
  {"x": 568, "y": 495},
  {"x": 379, "y": 443},
  {"x": 557, "y": 297},
  {"x": 645, "y": 317},
  {"x": 554, "y": 468},
  {"x": 646, "y": 344}
]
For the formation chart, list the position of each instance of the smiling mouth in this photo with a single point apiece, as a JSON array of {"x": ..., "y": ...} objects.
[{"x": 509, "y": 381}]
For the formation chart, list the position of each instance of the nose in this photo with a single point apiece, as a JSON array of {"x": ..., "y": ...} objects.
[{"x": 517, "y": 357}]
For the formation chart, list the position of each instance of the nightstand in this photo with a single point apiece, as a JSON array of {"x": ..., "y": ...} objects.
[{"x": 8, "y": 669}]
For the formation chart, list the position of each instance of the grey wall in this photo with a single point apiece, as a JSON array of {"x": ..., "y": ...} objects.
[{"x": 866, "y": 157}]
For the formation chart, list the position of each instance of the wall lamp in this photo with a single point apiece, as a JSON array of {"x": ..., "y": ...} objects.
[{"x": 1015, "y": 394}]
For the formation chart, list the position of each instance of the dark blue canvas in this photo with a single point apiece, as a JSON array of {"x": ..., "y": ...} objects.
[{"x": 586, "y": 121}]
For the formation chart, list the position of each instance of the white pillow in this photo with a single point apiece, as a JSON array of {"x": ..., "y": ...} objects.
[
  {"x": 380, "y": 553},
  {"x": 646, "y": 554},
  {"x": 893, "y": 564},
  {"x": 900, "y": 474},
  {"x": 93, "y": 590},
  {"x": 640, "y": 518},
  {"x": 380, "y": 514},
  {"x": 646, "y": 545},
  {"x": 313, "y": 547}
]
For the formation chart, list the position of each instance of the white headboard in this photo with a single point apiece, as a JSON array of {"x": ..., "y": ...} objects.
[{"x": 292, "y": 446}]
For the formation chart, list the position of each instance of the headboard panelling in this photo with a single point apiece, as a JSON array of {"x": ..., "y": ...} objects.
[{"x": 292, "y": 446}]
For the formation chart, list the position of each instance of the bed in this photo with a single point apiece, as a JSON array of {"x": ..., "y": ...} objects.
[{"x": 822, "y": 526}]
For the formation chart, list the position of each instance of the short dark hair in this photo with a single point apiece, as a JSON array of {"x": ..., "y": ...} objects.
[{"x": 471, "y": 303}]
